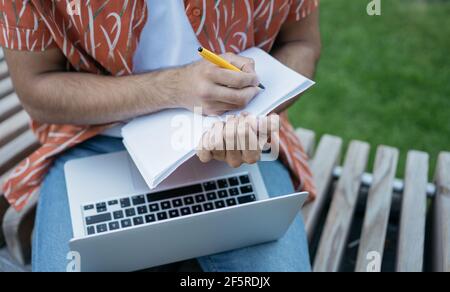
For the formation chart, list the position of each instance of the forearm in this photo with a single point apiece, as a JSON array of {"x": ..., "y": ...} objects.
[
  {"x": 88, "y": 99},
  {"x": 300, "y": 56}
]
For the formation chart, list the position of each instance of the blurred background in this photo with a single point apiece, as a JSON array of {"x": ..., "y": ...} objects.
[{"x": 383, "y": 79}]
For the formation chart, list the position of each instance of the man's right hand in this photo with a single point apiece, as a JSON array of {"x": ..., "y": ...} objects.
[{"x": 218, "y": 90}]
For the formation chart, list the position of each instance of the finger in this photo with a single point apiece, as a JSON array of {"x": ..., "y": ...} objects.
[
  {"x": 239, "y": 98},
  {"x": 216, "y": 108},
  {"x": 203, "y": 153},
  {"x": 218, "y": 142},
  {"x": 243, "y": 63},
  {"x": 245, "y": 132},
  {"x": 233, "y": 155},
  {"x": 234, "y": 79}
]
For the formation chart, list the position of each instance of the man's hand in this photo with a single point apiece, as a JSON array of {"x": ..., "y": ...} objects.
[
  {"x": 240, "y": 140},
  {"x": 218, "y": 90}
]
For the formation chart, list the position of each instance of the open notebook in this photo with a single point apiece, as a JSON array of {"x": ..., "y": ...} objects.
[{"x": 161, "y": 142}]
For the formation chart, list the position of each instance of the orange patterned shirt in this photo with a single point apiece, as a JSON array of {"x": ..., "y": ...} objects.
[{"x": 101, "y": 37}]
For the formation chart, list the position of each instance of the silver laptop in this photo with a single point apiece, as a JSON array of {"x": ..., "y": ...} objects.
[{"x": 119, "y": 224}]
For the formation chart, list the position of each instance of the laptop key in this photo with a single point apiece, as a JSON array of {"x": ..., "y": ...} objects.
[
  {"x": 130, "y": 212},
  {"x": 233, "y": 181},
  {"x": 142, "y": 210},
  {"x": 118, "y": 215},
  {"x": 246, "y": 199},
  {"x": 102, "y": 228},
  {"x": 113, "y": 203},
  {"x": 125, "y": 203},
  {"x": 244, "y": 179},
  {"x": 162, "y": 216},
  {"x": 138, "y": 200},
  {"x": 219, "y": 204},
  {"x": 91, "y": 230},
  {"x": 101, "y": 207},
  {"x": 222, "y": 194},
  {"x": 197, "y": 209},
  {"x": 166, "y": 205},
  {"x": 185, "y": 211},
  {"x": 91, "y": 220},
  {"x": 88, "y": 207},
  {"x": 126, "y": 223},
  {"x": 154, "y": 207},
  {"x": 174, "y": 193},
  {"x": 200, "y": 198},
  {"x": 150, "y": 218},
  {"x": 211, "y": 196},
  {"x": 189, "y": 201},
  {"x": 208, "y": 206},
  {"x": 210, "y": 186},
  {"x": 233, "y": 192},
  {"x": 231, "y": 202},
  {"x": 138, "y": 221},
  {"x": 114, "y": 226},
  {"x": 174, "y": 214},
  {"x": 177, "y": 203},
  {"x": 246, "y": 189},
  {"x": 222, "y": 183}
]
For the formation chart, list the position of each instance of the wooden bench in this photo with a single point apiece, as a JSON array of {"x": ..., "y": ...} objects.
[
  {"x": 341, "y": 188},
  {"x": 16, "y": 142},
  {"x": 347, "y": 194}
]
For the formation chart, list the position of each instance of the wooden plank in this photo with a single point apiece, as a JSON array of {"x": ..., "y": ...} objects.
[
  {"x": 3, "y": 69},
  {"x": 9, "y": 105},
  {"x": 13, "y": 127},
  {"x": 308, "y": 140},
  {"x": 327, "y": 157},
  {"x": 337, "y": 227},
  {"x": 13, "y": 152},
  {"x": 7, "y": 264},
  {"x": 441, "y": 222},
  {"x": 411, "y": 242},
  {"x": 6, "y": 87},
  {"x": 378, "y": 209}
]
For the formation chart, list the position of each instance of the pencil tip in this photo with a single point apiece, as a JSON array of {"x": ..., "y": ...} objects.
[{"x": 200, "y": 49}]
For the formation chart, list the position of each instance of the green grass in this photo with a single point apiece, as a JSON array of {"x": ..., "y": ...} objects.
[{"x": 385, "y": 79}]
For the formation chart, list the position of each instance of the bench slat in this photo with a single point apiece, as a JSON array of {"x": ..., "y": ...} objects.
[
  {"x": 6, "y": 87},
  {"x": 411, "y": 241},
  {"x": 378, "y": 207},
  {"x": 3, "y": 69},
  {"x": 9, "y": 106},
  {"x": 13, "y": 127},
  {"x": 441, "y": 224},
  {"x": 308, "y": 140},
  {"x": 337, "y": 227},
  {"x": 326, "y": 158},
  {"x": 15, "y": 151}
]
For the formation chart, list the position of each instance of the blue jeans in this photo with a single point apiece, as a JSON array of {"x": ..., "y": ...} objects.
[{"x": 53, "y": 228}]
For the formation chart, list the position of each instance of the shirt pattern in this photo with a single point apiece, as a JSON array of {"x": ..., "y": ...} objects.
[{"x": 101, "y": 37}]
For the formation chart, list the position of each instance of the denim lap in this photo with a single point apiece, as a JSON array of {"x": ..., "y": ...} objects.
[{"x": 53, "y": 227}]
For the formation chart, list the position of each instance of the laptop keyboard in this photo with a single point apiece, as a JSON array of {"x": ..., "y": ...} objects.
[{"x": 137, "y": 210}]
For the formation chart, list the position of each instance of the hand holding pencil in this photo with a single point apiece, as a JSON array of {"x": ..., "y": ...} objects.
[
  {"x": 217, "y": 84},
  {"x": 221, "y": 62}
]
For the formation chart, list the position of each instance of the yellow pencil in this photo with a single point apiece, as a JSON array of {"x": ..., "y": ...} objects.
[{"x": 221, "y": 62}]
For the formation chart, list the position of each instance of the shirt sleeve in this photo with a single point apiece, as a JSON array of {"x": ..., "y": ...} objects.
[
  {"x": 22, "y": 28},
  {"x": 301, "y": 9}
]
